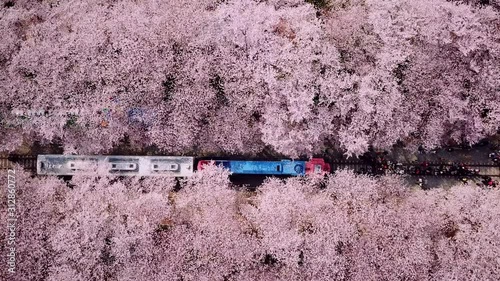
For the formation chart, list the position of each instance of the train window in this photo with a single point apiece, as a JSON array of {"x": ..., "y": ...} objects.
[
  {"x": 317, "y": 169},
  {"x": 298, "y": 168},
  {"x": 124, "y": 166},
  {"x": 77, "y": 165},
  {"x": 278, "y": 168},
  {"x": 225, "y": 164},
  {"x": 169, "y": 167}
]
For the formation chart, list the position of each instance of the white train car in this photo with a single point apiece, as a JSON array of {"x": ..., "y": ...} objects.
[{"x": 67, "y": 165}]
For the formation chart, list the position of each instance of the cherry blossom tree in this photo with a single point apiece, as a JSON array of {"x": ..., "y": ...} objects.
[
  {"x": 108, "y": 225},
  {"x": 280, "y": 61},
  {"x": 93, "y": 65},
  {"x": 344, "y": 226},
  {"x": 394, "y": 50},
  {"x": 299, "y": 228},
  {"x": 237, "y": 76},
  {"x": 467, "y": 243},
  {"x": 207, "y": 238},
  {"x": 37, "y": 208},
  {"x": 94, "y": 229}
]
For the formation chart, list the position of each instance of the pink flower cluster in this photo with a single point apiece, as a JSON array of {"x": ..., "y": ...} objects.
[
  {"x": 235, "y": 76},
  {"x": 349, "y": 226}
]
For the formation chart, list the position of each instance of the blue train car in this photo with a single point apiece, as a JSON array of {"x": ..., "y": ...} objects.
[{"x": 281, "y": 167}]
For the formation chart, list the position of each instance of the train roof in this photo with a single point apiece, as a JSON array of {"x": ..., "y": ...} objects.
[
  {"x": 167, "y": 166},
  {"x": 279, "y": 167}
]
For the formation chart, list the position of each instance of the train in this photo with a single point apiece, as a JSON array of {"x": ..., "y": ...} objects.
[{"x": 171, "y": 166}]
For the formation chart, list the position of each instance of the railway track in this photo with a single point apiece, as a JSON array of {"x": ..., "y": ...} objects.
[
  {"x": 485, "y": 169},
  {"x": 28, "y": 162},
  {"x": 356, "y": 166}
]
